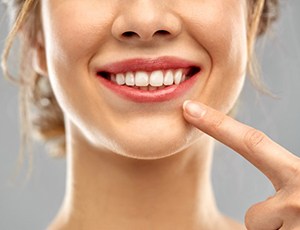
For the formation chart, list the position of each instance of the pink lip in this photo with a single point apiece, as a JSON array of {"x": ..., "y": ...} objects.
[{"x": 148, "y": 65}]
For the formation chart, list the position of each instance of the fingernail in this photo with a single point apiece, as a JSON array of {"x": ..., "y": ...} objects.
[{"x": 193, "y": 109}]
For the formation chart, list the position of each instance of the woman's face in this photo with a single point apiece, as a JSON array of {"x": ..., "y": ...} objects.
[{"x": 91, "y": 44}]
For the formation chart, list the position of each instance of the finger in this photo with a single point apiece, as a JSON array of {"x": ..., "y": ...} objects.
[
  {"x": 274, "y": 161},
  {"x": 288, "y": 200},
  {"x": 264, "y": 215},
  {"x": 293, "y": 224}
]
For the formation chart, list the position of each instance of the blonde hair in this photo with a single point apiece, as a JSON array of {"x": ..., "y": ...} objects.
[{"x": 41, "y": 114}]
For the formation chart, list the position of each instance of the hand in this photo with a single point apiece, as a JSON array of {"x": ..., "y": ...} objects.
[{"x": 282, "y": 210}]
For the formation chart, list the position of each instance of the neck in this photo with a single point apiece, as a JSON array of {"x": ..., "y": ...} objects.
[{"x": 105, "y": 190}]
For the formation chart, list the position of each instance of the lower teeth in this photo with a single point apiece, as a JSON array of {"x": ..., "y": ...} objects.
[{"x": 148, "y": 88}]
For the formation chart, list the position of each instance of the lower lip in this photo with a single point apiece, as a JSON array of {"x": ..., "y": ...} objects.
[{"x": 147, "y": 96}]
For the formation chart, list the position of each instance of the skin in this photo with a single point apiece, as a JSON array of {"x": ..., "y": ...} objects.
[
  {"x": 280, "y": 211},
  {"x": 114, "y": 181}
]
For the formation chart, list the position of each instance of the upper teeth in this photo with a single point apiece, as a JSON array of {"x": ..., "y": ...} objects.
[{"x": 156, "y": 78}]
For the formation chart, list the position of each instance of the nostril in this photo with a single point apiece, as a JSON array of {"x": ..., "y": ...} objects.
[
  {"x": 129, "y": 34},
  {"x": 162, "y": 32}
]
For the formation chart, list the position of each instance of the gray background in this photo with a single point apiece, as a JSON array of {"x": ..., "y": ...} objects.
[{"x": 31, "y": 205}]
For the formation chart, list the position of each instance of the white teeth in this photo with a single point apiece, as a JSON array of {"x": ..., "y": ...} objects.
[
  {"x": 113, "y": 78},
  {"x": 157, "y": 78},
  {"x": 169, "y": 78},
  {"x": 129, "y": 79},
  {"x": 183, "y": 78},
  {"x": 177, "y": 77},
  {"x": 141, "y": 79},
  {"x": 120, "y": 78},
  {"x": 149, "y": 81}
]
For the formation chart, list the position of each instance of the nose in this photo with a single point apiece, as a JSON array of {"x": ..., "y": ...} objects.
[{"x": 145, "y": 21}]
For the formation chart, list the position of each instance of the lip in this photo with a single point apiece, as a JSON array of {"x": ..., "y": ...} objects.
[{"x": 148, "y": 65}]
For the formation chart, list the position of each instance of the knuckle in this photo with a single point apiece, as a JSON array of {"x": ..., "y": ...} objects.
[
  {"x": 294, "y": 175},
  {"x": 292, "y": 205},
  {"x": 295, "y": 227},
  {"x": 251, "y": 216},
  {"x": 288, "y": 202},
  {"x": 254, "y": 138},
  {"x": 248, "y": 219},
  {"x": 295, "y": 208}
]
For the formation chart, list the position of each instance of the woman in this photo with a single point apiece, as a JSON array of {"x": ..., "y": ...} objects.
[{"x": 140, "y": 84}]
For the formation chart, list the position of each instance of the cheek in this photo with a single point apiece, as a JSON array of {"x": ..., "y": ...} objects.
[
  {"x": 72, "y": 35},
  {"x": 72, "y": 38},
  {"x": 220, "y": 28}
]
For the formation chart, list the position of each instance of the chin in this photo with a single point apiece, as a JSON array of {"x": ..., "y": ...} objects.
[{"x": 157, "y": 144}]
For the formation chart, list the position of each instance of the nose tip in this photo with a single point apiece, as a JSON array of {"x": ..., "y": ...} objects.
[{"x": 145, "y": 23}]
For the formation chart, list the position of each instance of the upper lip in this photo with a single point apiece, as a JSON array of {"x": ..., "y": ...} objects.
[{"x": 146, "y": 64}]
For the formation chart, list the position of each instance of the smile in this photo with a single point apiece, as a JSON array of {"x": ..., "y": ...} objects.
[
  {"x": 149, "y": 80},
  {"x": 158, "y": 79}
]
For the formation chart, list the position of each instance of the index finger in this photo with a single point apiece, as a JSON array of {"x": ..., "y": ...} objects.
[{"x": 277, "y": 163}]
